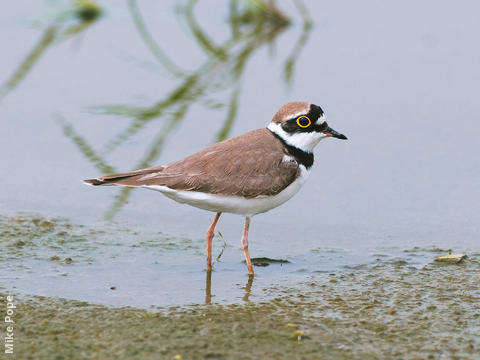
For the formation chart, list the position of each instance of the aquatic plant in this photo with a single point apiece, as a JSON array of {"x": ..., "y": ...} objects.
[{"x": 253, "y": 24}]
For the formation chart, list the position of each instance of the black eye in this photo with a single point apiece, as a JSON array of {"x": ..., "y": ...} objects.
[{"x": 303, "y": 121}]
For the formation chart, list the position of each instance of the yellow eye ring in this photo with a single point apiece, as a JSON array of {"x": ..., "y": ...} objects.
[{"x": 302, "y": 123}]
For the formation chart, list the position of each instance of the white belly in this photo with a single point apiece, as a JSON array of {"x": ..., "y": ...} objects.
[{"x": 234, "y": 204}]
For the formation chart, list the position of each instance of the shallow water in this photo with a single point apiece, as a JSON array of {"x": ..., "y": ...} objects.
[
  {"x": 151, "y": 269},
  {"x": 145, "y": 83}
]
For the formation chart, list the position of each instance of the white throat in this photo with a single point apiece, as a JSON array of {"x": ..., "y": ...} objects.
[{"x": 305, "y": 141}]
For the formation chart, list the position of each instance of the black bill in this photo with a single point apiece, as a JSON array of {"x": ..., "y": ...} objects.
[{"x": 330, "y": 132}]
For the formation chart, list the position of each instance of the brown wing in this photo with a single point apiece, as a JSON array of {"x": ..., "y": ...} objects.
[{"x": 249, "y": 165}]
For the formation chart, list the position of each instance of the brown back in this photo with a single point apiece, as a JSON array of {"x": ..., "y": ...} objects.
[{"x": 248, "y": 165}]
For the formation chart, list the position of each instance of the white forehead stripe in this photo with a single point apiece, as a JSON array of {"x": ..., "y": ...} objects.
[{"x": 295, "y": 115}]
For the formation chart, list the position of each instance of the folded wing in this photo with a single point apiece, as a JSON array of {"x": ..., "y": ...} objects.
[{"x": 249, "y": 165}]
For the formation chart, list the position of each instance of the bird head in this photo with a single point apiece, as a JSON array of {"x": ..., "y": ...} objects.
[{"x": 302, "y": 125}]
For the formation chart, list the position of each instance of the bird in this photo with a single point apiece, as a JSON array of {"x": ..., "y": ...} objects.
[{"x": 246, "y": 175}]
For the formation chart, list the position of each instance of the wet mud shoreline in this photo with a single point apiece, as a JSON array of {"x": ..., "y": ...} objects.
[{"x": 377, "y": 311}]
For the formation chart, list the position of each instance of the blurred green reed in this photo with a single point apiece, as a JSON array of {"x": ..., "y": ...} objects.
[
  {"x": 75, "y": 20},
  {"x": 253, "y": 24}
]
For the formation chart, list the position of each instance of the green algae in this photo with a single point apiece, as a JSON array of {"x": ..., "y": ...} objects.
[
  {"x": 382, "y": 311},
  {"x": 33, "y": 236},
  {"x": 265, "y": 261},
  {"x": 36, "y": 237}
]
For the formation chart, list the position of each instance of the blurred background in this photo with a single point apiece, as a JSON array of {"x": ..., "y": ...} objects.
[{"x": 91, "y": 88}]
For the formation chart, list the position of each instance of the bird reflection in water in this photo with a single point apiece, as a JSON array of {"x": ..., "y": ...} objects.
[{"x": 208, "y": 288}]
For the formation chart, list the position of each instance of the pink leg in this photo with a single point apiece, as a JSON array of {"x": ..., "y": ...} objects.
[
  {"x": 210, "y": 234},
  {"x": 245, "y": 245}
]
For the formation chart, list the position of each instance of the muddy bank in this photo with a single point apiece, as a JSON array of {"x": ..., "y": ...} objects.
[{"x": 377, "y": 311}]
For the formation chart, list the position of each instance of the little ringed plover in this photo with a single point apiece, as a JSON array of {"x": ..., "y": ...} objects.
[{"x": 246, "y": 175}]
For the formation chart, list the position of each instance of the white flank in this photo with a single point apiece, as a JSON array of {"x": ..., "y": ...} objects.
[
  {"x": 234, "y": 204},
  {"x": 305, "y": 141}
]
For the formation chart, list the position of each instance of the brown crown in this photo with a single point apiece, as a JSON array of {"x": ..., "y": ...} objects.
[{"x": 290, "y": 109}]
